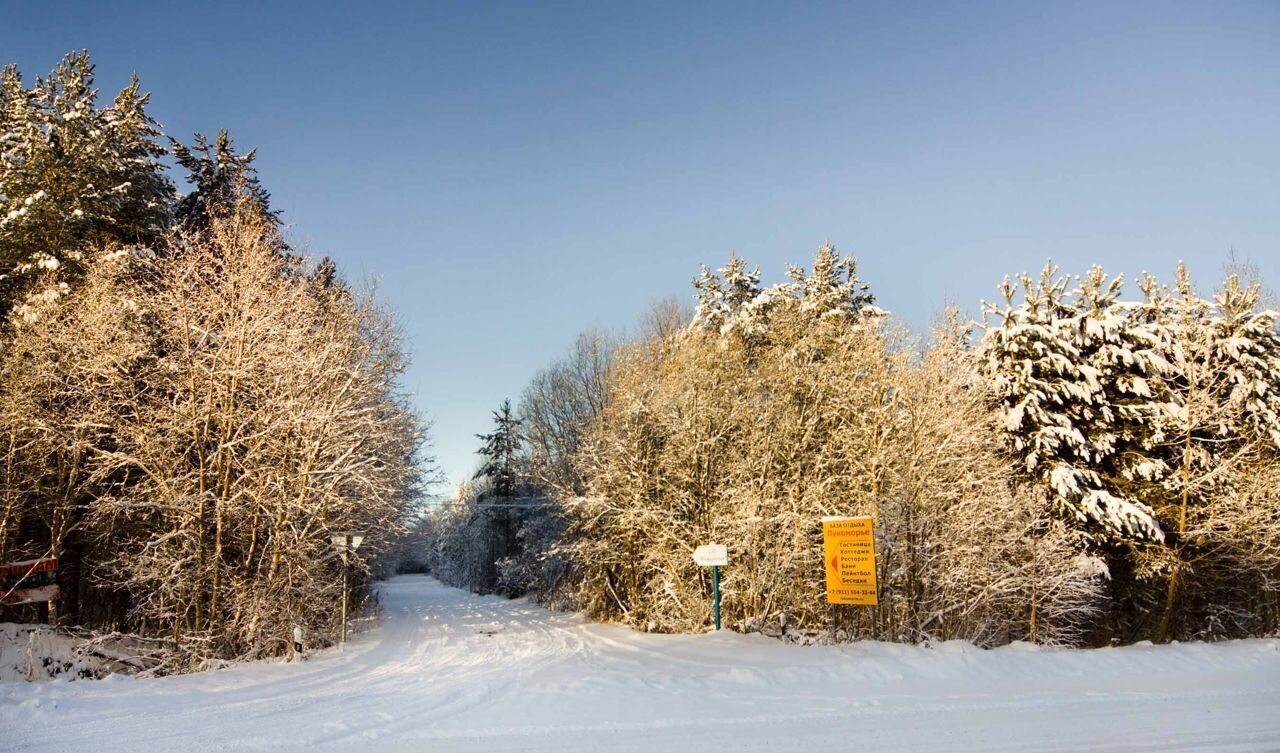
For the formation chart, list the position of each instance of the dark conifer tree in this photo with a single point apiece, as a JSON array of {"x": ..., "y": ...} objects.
[
  {"x": 219, "y": 178},
  {"x": 500, "y": 451}
]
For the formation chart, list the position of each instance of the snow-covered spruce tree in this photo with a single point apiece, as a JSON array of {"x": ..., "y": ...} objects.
[
  {"x": 1073, "y": 379},
  {"x": 1150, "y": 423},
  {"x": 495, "y": 521},
  {"x": 74, "y": 177},
  {"x": 481, "y": 545}
]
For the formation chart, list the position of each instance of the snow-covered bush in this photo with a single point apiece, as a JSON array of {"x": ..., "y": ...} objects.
[
  {"x": 779, "y": 406},
  {"x": 1095, "y": 469}
]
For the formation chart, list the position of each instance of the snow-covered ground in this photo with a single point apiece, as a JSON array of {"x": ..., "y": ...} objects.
[{"x": 449, "y": 671}]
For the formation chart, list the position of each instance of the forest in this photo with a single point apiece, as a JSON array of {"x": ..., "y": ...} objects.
[
  {"x": 1081, "y": 467},
  {"x": 189, "y": 406}
]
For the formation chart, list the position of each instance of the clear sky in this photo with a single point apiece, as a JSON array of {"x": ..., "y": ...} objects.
[{"x": 513, "y": 174}]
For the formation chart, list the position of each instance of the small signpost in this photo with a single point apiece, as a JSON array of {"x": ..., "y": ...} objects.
[
  {"x": 849, "y": 553},
  {"x": 346, "y": 542},
  {"x": 28, "y": 582},
  {"x": 713, "y": 556}
]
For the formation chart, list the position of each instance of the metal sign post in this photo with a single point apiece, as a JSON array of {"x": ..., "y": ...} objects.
[
  {"x": 713, "y": 556},
  {"x": 346, "y": 543},
  {"x": 715, "y": 580}
]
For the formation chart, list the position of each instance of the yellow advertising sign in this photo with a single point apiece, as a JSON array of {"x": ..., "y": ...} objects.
[{"x": 849, "y": 551}]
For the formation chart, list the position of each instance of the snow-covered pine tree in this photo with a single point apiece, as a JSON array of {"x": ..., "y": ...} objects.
[
  {"x": 722, "y": 298},
  {"x": 72, "y": 175},
  {"x": 740, "y": 285},
  {"x": 1121, "y": 346},
  {"x": 1070, "y": 384},
  {"x": 833, "y": 288},
  {"x": 732, "y": 301},
  {"x": 1249, "y": 340},
  {"x": 710, "y": 309},
  {"x": 741, "y": 288}
]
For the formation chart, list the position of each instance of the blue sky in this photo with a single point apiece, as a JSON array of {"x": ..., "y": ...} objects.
[{"x": 513, "y": 174}]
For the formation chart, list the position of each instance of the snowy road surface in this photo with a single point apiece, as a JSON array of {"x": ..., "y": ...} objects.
[{"x": 449, "y": 671}]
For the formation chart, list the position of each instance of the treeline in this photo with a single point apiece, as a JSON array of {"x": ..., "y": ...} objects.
[
  {"x": 1084, "y": 469},
  {"x": 187, "y": 406}
]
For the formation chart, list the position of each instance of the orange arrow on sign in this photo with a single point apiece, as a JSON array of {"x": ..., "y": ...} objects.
[{"x": 835, "y": 562}]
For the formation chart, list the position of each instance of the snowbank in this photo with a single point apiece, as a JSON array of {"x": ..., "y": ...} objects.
[{"x": 41, "y": 652}]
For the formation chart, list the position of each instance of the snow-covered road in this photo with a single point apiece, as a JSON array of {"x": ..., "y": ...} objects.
[{"x": 449, "y": 671}]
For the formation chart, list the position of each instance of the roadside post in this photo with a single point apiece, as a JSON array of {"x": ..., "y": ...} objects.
[
  {"x": 346, "y": 543},
  {"x": 713, "y": 556}
]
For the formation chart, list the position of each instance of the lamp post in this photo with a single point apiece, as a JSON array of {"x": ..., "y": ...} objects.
[{"x": 346, "y": 542}]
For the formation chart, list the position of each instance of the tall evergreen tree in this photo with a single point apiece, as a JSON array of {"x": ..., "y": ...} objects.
[
  {"x": 73, "y": 176},
  {"x": 740, "y": 285},
  {"x": 725, "y": 299},
  {"x": 833, "y": 288},
  {"x": 219, "y": 177},
  {"x": 1071, "y": 390},
  {"x": 501, "y": 452}
]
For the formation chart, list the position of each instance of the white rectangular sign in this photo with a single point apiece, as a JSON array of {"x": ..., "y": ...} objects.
[{"x": 709, "y": 555}]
